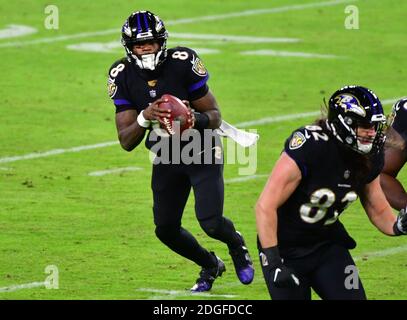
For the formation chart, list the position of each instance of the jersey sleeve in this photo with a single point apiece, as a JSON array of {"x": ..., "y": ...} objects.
[
  {"x": 305, "y": 147},
  {"x": 196, "y": 75},
  {"x": 116, "y": 87},
  {"x": 400, "y": 118}
]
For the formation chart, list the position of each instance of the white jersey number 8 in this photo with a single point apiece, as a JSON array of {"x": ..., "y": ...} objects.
[{"x": 182, "y": 55}]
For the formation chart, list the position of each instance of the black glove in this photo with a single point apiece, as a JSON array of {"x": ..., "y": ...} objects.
[
  {"x": 400, "y": 226},
  {"x": 278, "y": 274}
]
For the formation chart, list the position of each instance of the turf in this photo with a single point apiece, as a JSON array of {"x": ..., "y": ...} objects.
[{"x": 99, "y": 231}]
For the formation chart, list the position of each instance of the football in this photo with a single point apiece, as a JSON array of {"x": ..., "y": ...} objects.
[{"x": 179, "y": 115}]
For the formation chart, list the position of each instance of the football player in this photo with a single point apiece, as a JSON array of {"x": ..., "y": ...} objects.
[
  {"x": 135, "y": 85},
  {"x": 324, "y": 167},
  {"x": 395, "y": 156}
]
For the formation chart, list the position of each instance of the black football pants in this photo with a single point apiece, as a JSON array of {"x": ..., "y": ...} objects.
[
  {"x": 329, "y": 271},
  {"x": 171, "y": 185}
]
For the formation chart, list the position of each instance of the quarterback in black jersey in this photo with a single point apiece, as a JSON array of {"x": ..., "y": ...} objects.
[
  {"x": 323, "y": 168},
  {"x": 135, "y": 85},
  {"x": 395, "y": 156}
]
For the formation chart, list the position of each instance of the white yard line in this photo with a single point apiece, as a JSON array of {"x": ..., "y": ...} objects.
[
  {"x": 111, "y": 171},
  {"x": 179, "y": 293},
  {"x": 260, "y": 11},
  {"x": 267, "y": 120},
  {"x": 280, "y": 53},
  {"x": 242, "y": 125},
  {"x": 179, "y": 21},
  {"x": 389, "y": 101},
  {"x": 57, "y": 151},
  {"x": 166, "y": 294},
  {"x": 248, "y": 124},
  {"x": 15, "y": 30},
  {"x": 182, "y": 293},
  {"x": 246, "y": 178},
  {"x": 112, "y": 46},
  {"x": 380, "y": 253},
  {"x": 22, "y": 286},
  {"x": 231, "y": 38}
]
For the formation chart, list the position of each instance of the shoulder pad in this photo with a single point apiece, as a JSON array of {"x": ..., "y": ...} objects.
[
  {"x": 311, "y": 133},
  {"x": 119, "y": 61},
  {"x": 117, "y": 68},
  {"x": 189, "y": 59}
]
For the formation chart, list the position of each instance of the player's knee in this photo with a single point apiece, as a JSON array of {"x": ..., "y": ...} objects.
[
  {"x": 167, "y": 233},
  {"x": 212, "y": 226}
]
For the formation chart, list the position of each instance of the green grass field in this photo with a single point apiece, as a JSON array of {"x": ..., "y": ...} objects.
[{"x": 98, "y": 230}]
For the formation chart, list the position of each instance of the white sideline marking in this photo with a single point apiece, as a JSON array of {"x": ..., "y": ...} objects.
[
  {"x": 180, "y": 21},
  {"x": 15, "y": 30},
  {"x": 111, "y": 143},
  {"x": 245, "y": 178},
  {"x": 185, "y": 293},
  {"x": 22, "y": 286},
  {"x": 5, "y": 169},
  {"x": 116, "y": 170},
  {"x": 278, "y": 53}
]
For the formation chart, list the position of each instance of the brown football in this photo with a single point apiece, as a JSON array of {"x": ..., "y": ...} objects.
[{"x": 179, "y": 114}]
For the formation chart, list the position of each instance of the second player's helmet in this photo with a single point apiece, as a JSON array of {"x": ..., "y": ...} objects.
[
  {"x": 140, "y": 27},
  {"x": 353, "y": 107}
]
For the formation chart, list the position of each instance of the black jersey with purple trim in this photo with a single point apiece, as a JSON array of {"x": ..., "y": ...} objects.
[
  {"x": 400, "y": 118},
  {"x": 182, "y": 74},
  {"x": 309, "y": 218}
]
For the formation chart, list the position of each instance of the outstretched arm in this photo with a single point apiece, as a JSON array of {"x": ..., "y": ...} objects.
[{"x": 282, "y": 182}]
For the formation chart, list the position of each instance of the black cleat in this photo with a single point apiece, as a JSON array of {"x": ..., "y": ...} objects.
[{"x": 208, "y": 276}]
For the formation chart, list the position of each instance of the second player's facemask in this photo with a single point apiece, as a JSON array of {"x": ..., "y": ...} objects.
[
  {"x": 351, "y": 109},
  {"x": 144, "y": 26}
]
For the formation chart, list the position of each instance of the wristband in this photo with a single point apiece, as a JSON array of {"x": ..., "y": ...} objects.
[
  {"x": 272, "y": 253},
  {"x": 201, "y": 120},
  {"x": 143, "y": 122}
]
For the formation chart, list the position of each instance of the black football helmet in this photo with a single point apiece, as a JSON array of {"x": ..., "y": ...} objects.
[
  {"x": 144, "y": 26},
  {"x": 352, "y": 107}
]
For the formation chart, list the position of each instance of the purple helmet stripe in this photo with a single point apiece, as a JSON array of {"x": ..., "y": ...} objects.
[
  {"x": 145, "y": 20},
  {"x": 138, "y": 23}
]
